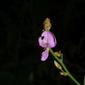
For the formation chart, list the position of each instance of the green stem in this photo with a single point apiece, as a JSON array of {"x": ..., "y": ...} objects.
[{"x": 64, "y": 67}]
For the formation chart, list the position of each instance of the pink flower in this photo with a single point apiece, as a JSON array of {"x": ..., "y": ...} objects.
[{"x": 46, "y": 40}]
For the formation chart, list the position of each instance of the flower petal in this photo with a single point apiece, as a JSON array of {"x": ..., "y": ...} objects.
[
  {"x": 51, "y": 40},
  {"x": 47, "y": 39},
  {"x": 42, "y": 43},
  {"x": 44, "y": 55}
]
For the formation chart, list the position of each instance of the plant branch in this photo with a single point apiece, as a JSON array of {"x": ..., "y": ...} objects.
[{"x": 64, "y": 67}]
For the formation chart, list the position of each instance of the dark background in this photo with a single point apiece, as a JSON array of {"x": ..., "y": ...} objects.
[{"x": 20, "y": 27}]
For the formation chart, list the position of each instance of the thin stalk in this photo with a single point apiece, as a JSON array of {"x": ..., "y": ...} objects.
[{"x": 64, "y": 67}]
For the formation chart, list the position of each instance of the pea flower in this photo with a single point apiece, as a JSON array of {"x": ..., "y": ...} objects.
[{"x": 46, "y": 40}]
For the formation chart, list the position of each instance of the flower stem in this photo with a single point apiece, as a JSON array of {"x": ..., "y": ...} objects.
[{"x": 64, "y": 67}]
